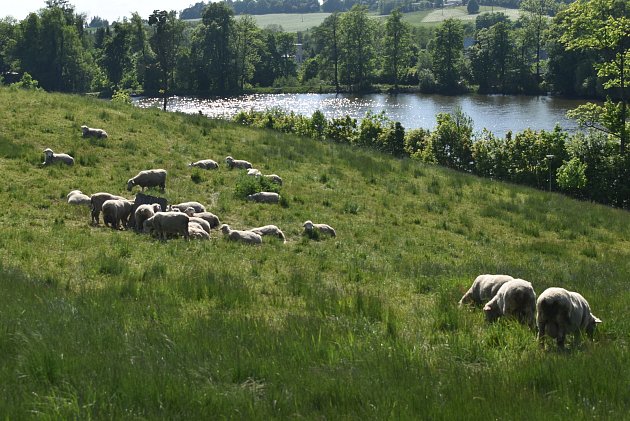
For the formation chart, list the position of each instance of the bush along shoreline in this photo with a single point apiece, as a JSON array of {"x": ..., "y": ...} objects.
[{"x": 584, "y": 165}]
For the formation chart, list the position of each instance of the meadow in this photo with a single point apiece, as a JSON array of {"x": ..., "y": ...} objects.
[{"x": 104, "y": 324}]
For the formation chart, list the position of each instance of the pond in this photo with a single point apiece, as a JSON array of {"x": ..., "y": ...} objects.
[{"x": 497, "y": 113}]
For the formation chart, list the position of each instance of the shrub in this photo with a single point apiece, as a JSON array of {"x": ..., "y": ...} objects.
[{"x": 472, "y": 7}]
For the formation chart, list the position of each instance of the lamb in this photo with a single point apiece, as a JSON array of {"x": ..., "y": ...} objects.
[
  {"x": 195, "y": 231},
  {"x": 237, "y": 163},
  {"x": 310, "y": 227},
  {"x": 198, "y": 207},
  {"x": 205, "y": 164},
  {"x": 203, "y": 224},
  {"x": 247, "y": 237},
  {"x": 97, "y": 200},
  {"x": 144, "y": 212},
  {"x": 148, "y": 178},
  {"x": 52, "y": 158},
  {"x": 76, "y": 197},
  {"x": 264, "y": 197},
  {"x": 483, "y": 289},
  {"x": 163, "y": 223},
  {"x": 90, "y": 132},
  {"x": 116, "y": 211},
  {"x": 270, "y": 230},
  {"x": 560, "y": 312},
  {"x": 515, "y": 298}
]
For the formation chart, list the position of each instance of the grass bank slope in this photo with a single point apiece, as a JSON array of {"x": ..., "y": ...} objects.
[{"x": 97, "y": 323}]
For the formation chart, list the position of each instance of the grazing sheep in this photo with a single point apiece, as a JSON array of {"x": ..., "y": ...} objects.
[
  {"x": 52, "y": 158},
  {"x": 201, "y": 222},
  {"x": 148, "y": 178},
  {"x": 274, "y": 178},
  {"x": 560, "y": 312},
  {"x": 76, "y": 197},
  {"x": 515, "y": 298},
  {"x": 483, "y": 289},
  {"x": 198, "y": 207},
  {"x": 116, "y": 211},
  {"x": 164, "y": 223},
  {"x": 196, "y": 231},
  {"x": 264, "y": 197},
  {"x": 270, "y": 230},
  {"x": 310, "y": 227},
  {"x": 237, "y": 163},
  {"x": 90, "y": 132},
  {"x": 247, "y": 237},
  {"x": 97, "y": 200},
  {"x": 253, "y": 172},
  {"x": 144, "y": 212},
  {"x": 205, "y": 164}
]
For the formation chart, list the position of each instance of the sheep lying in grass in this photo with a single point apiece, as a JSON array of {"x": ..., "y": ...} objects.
[
  {"x": 116, "y": 211},
  {"x": 148, "y": 178},
  {"x": 97, "y": 200},
  {"x": 237, "y": 163},
  {"x": 253, "y": 172},
  {"x": 205, "y": 164},
  {"x": 483, "y": 289},
  {"x": 310, "y": 228},
  {"x": 560, "y": 312},
  {"x": 247, "y": 237},
  {"x": 203, "y": 224},
  {"x": 264, "y": 197},
  {"x": 210, "y": 218},
  {"x": 76, "y": 197},
  {"x": 52, "y": 158},
  {"x": 269, "y": 230},
  {"x": 197, "y": 232},
  {"x": 164, "y": 223},
  {"x": 514, "y": 298},
  {"x": 90, "y": 132},
  {"x": 144, "y": 212},
  {"x": 274, "y": 178},
  {"x": 198, "y": 207}
]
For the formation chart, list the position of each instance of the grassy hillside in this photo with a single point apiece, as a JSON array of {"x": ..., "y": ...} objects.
[{"x": 97, "y": 323}]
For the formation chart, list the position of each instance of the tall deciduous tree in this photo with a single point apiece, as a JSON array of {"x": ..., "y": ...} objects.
[
  {"x": 217, "y": 53},
  {"x": 165, "y": 42},
  {"x": 357, "y": 39},
  {"x": 397, "y": 46},
  {"x": 602, "y": 26},
  {"x": 327, "y": 44},
  {"x": 248, "y": 43},
  {"x": 536, "y": 22},
  {"x": 447, "y": 51}
]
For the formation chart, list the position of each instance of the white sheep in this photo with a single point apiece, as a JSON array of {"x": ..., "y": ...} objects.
[
  {"x": 247, "y": 237},
  {"x": 514, "y": 298},
  {"x": 196, "y": 231},
  {"x": 269, "y": 230},
  {"x": 52, "y": 158},
  {"x": 164, "y": 223},
  {"x": 264, "y": 197},
  {"x": 198, "y": 207},
  {"x": 210, "y": 218},
  {"x": 483, "y": 289},
  {"x": 90, "y": 132},
  {"x": 205, "y": 164},
  {"x": 144, "y": 212},
  {"x": 253, "y": 172},
  {"x": 97, "y": 200},
  {"x": 237, "y": 163},
  {"x": 76, "y": 197},
  {"x": 201, "y": 222},
  {"x": 310, "y": 227},
  {"x": 560, "y": 312},
  {"x": 274, "y": 178},
  {"x": 148, "y": 178},
  {"x": 116, "y": 211}
]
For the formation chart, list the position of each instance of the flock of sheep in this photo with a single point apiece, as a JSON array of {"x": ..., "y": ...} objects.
[
  {"x": 557, "y": 312},
  {"x": 148, "y": 214}
]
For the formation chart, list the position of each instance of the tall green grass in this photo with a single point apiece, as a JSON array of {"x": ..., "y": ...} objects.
[{"x": 97, "y": 323}]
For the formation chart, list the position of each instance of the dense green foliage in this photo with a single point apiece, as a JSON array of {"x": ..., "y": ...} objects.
[{"x": 97, "y": 323}]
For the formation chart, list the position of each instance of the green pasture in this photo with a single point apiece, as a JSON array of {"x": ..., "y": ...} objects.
[{"x": 104, "y": 324}]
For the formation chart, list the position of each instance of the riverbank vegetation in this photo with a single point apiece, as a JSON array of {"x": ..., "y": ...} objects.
[{"x": 97, "y": 323}]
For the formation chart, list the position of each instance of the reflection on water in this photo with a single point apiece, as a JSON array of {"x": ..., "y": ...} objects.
[{"x": 497, "y": 113}]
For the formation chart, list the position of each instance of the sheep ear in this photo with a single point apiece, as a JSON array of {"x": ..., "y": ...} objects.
[{"x": 487, "y": 308}]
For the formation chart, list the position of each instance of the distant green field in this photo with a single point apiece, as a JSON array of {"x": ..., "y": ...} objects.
[
  {"x": 291, "y": 22},
  {"x": 435, "y": 16}
]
